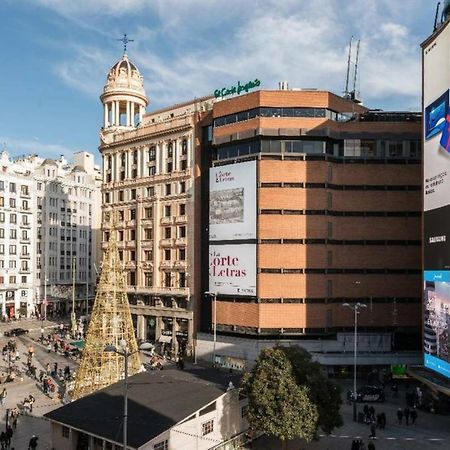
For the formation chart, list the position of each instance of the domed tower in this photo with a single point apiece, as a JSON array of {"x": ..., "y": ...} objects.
[{"x": 124, "y": 100}]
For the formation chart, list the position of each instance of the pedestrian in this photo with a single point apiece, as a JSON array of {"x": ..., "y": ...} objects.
[
  {"x": 399, "y": 415},
  {"x": 355, "y": 445},
  {"x": 394, "y": 389},
  {"x": 373, "y": 430},
  {"x": 383, "y": 420},
  {"x": 14, "y": 420},
  {"x": 3, "y": 440},
  {"x": 9, "y": 434},
  {"x": 406, "y": 414},
  {"x": 3, "y": 395},
  {"x": 413, "y": 416},
  {"x": 371, "y": 446},
  {"x": 31, "y": 399},
  {"x": 32, "y": 445}
]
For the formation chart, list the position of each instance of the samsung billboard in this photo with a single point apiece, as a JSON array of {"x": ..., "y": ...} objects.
[
  {"x": 232, "y": 202},
  {"x": 436, "y": 189},
  {"x": 232, "y": 269}
]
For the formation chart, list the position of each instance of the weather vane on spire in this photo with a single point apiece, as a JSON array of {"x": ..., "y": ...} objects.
[{"x": 125, "y": 41}]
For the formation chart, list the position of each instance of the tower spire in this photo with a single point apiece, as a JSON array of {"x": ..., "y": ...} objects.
[{"x": 110, "y": 324}]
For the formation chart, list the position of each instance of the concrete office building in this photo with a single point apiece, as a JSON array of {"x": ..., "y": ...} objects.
[
  {"x": 314, "y": 202},
  {"x": 151, "y": 173}
]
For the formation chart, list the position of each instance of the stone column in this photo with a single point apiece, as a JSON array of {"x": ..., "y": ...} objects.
[
  {"x": 105, "y": 119},
  {"x": 128, "y": 120},
  {"x": 190, "y": 341},
  {"x": 117, "y": 121},
  {"x": 158, "y": 328},
  {"x": 141, "y": 327},
  {"x": 132, "y": 115},
  {"x": 174, "y": 336}
]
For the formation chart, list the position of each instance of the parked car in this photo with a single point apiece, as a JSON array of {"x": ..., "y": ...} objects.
[
  {"x": 15, "y": 332},
  {"x": 370, "y": 394}
]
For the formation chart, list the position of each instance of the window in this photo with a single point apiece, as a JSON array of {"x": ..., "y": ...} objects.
[
  {"x": 244, "y": 411},
  {"x": 182, "y": 232},
  {"x": 13, "y": 233},
  {"x": 167, "y": 279},
  {"x": 132, "y": 235},
  {"x": 168, "y": 189},
  {"x": 13, "y": 249},
  {"x": 12, "y": 187},
  {"x": 184, "y": 147},
  {"x": 148, "y": 233},
  {"x": 2, "y": 232},
  {"x": 12, "y": 202},
  {"x": 107, "y": 197},
  {"x": 170, "y": 150},
  {"x": 182, "y": 279},
  {"x": 207, "y": 427},
  {"x": 167, "y": 211},
  {"x": 120, "y": 235},
  {"x": 2, "y": 249},
  {"x": 182, "y": 187},
  {"x": 148, "y": 213},
  {"x": 152, "y": 153},
  {"x": 163, "y": 445},
  {"x": 182, "y": 209},
  {"x": 13, "y": 218},
  {"x": 148, "y": 255},
  {"x": 132, "y": 255},
  {"x": 65, "y": 432},
  {"x": 2, "y": 217},
  {"x": 133, "y": 194},
  {"x": 148, "y": 278},
  {"x": 120, "y": 196},
  {"x": 182, "y": 254},
  {"x": 2, "y": 201},
  {"x": 132, "y": 278},
  {"x": 150, "y": 191},
  {"x": 122, "y": 159},
  {"x": 169, "y": 167},
  {"x": 151, "y": 171},
  {"x": 12, "y": 279},
  {"x": 24, "y": 190},
  {"x": 183, "y": 164},
  {"x": 167, "y": 254},
  {"x": 135, "y": 157},
  {"x": 132, "y": 214},
  {"x": 167, "y": 233}
]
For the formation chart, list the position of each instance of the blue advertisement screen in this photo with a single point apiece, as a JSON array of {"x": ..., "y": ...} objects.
[
  {"x": 435, "y": 115},
  {"x": 437, "y": 321}
]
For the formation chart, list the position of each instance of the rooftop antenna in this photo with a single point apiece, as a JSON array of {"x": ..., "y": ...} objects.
[
  {"x": 346, "y": 93},
  {"x": 125, "y": 41},
  {"x": 436, "y": 17},
  {"x": 356, "y": 71}
]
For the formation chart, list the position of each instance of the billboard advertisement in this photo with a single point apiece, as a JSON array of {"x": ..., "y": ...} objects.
[
  {"x": 436, "y": 60},
  {"x": 232, "y": 202},
  {"x": 436, "y": 240},
  {"x": 437, "y": 321},
  {"x": 232, "y": 269}
]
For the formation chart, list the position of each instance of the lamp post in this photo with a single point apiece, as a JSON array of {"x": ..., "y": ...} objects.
[
  {"x": 126, "y": 354},
  {"x": 355, "y": 309},
  {"x": 214, "y": 296}
]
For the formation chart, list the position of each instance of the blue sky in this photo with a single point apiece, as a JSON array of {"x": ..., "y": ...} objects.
[{"x": 56, "y": 54}]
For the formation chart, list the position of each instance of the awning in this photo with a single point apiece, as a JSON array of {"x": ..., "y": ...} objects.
[{"x": 164, "y": 338}]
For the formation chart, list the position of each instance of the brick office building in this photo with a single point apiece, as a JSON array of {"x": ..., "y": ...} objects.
[{"x": 337, "y": 219}]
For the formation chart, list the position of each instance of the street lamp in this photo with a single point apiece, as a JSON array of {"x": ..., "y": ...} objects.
[
  {"x": 355, "y": 309},
  {"x": 214, "y": 296},
  {"x": 126, "y": 354}
]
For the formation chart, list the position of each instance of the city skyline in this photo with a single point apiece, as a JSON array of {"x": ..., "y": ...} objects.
[{"x": 60, "y": 53}]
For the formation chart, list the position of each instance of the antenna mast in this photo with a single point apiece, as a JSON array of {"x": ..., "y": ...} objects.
[
  {"x": 436, "y": 17},
  {"x": 348, "y": 68},
  {"x": 356, "y": 70}
]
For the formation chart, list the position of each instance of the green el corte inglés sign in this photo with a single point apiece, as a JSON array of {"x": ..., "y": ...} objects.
[{"x": 236, "y": 89}]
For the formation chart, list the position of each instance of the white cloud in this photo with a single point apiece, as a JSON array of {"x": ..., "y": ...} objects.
[
  {"x": 17, "y": 147},
  {"x": 199, "y": 45}
]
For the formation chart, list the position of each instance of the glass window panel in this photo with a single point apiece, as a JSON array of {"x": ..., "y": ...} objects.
[
  {"x": 253, "y": 113},
  {"x": 275, "y": 146},
  {"x": 288, "y": 112},
  {"x": 230, "y": 119},
  {"x": 319, "y": 112},
  {"x": 242, "y": 116}
]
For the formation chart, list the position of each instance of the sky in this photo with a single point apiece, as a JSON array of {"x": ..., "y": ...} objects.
[{"x": 57, "y": 53}]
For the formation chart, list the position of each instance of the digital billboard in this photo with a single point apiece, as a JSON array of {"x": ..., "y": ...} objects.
[
  {"x": 232, "y": 202},
  {"x": 436, "y": 61},
  {"x": 232, "y": 269},
  {"x": 437, "y": 321},
  {"x": 436, "y": 240}
]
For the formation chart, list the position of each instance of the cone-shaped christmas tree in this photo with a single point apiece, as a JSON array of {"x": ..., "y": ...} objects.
[{"x": 110, "y": 325}]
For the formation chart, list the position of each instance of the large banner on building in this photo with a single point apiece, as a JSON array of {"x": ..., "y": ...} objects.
[
  {"x": 232, "y": 202},
  {"x": 437, "y": 321},
  {"x": 232, "y": 269},
  {"x": 436, "y": 60}
]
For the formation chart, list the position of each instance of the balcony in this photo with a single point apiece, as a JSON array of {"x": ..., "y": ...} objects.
[
  {"x": 130, "y": 244},
  {"x": 147, "y": 265},
  {"x": 130, "y": 264},
  {"x": 25, "y": 210},
  {"x": 25, "y": 255},
  {"x": 25, "y": 225},
  {"x": 180, "y": 264},
  {"x": 166, "y": 242},
  {"x": 166, "y": 264},
  {"x": 131, "y": 223},
  {"x": 24, "y": 270},
  {"x": 181, "y": 242},
  {"x": 25, "y": 194},
  {"x": 181, "y": 220},
  {"x": 24, "y": 240},
  {"x": 147, "y": 243},
  {"x": 147, "y": 221},
  {"x": 166, "y": 220}
]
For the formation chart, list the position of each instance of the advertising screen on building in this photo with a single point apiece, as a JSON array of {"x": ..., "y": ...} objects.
[
  {"x": 437, "y": 321},
  {"x": 436, "y": 60},
  {"x": 232, "y": 269},
  {"x": 232, "y": 202}
]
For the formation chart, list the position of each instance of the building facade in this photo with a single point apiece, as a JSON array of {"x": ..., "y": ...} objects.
[
  {"x": 151, "y": 170},
  {"x": 333, "y": 217},
  {"x": 57, "y": 229}
]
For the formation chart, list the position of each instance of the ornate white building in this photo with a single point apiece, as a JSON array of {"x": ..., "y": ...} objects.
[
  {"x": 52, "y": 209},
  {"x": 151, "y": 176}
]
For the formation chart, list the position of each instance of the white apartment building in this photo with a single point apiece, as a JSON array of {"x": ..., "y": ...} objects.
[{"x": 63, "y": 231}]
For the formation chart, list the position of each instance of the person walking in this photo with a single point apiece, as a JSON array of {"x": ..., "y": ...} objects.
[
  {"x": 413, "y": 416},
  {"x": 3, "y": 440},
  {"x": 32, "y": 445},
  {"x": 373, "y": 430},
  {"x": 399, "y": 415},
  {"x": 3, "y": 395},
  {"x": 406, "y": 414},
  {"x": 371, "y": 446},
  {"x": 9, "y": 434}
]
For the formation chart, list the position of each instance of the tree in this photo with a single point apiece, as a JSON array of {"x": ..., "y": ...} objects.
[
  {"x": 277, "y": 405},
  {"x": 325, "y": 394}
]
